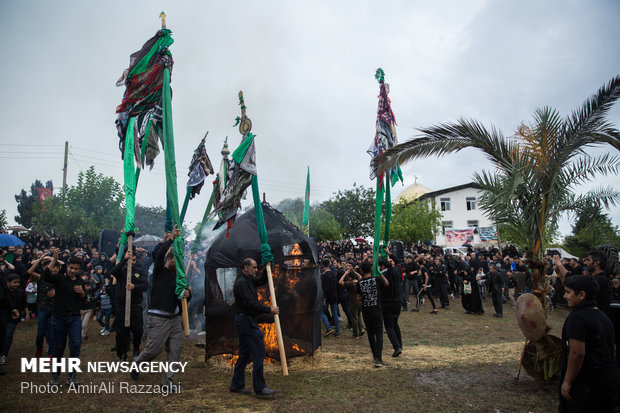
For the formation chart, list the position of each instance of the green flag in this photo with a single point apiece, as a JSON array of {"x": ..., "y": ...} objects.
[
  {"x": 306, "y": 220},
  {"x": 385, "y": 138},
  {"x": 171, "y": 185}
]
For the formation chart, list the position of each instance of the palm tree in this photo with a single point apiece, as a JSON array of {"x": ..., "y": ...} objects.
[{"x": 537, "y": 169}]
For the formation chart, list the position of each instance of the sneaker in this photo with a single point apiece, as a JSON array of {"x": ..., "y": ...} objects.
[
  {"x": 102, "y": 330},
  {"x": 328, "y": 332},
  {"x": 414, "y": 310},
  {"x": 378, "y": 364},
  {"x": 361, "y": 333},
  {"x": 105, "y": 333},
  {"x": 55, "y": 381},
  {"x": 2, "y": 360},
  {"x": 397, "y": 352},
  {"x": 266, "y": 392}
]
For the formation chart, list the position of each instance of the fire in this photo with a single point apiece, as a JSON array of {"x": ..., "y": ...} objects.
[
  {"x": 271, "y": 340},
  {"x": 296, "y": 251},
  {"x": 297, "y": 348}
]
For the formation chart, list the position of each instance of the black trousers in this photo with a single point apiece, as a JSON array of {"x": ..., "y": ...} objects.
[
  {"x": 374, "y": 330},
  {"x": 497, "y": 302},
  {"x": 444, "y": 297},
  {"x": 390, "y": 320},
  {"x": 123, "y": 334}
]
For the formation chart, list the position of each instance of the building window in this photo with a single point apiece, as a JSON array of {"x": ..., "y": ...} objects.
[
  {"x": 445, "y": 225},
  {"x": 471, "y": 203},
  {"x": 445, "y": 204},
  {"x": 472, "y": 224}
]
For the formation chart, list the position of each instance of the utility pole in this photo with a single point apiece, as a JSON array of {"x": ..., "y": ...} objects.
[{"x": 64, "y": 170}]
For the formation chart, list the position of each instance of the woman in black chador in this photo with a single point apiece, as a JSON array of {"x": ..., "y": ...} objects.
[{"x": 471, "y": 299}]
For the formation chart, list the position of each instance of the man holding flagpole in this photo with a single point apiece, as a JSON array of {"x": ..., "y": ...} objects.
[
  {"x": 164, "y": 315},
  {"x": 251, "y": 340}
]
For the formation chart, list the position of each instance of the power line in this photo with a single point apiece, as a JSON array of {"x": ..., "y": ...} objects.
[{"x": 76, "y": 161}]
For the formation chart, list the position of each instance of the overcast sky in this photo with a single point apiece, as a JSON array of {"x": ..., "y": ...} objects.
[{"x": 307, "y": 72}]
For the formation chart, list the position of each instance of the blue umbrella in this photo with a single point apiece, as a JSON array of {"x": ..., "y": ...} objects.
[{"x": 8, "y": 240}]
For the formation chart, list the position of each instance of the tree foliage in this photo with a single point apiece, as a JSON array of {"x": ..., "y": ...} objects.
[
  {"x": 414, "y": 221},
  {"x": 3, "y": 220},
  {"x": 26, "y": 202},
  {"x": 150, "y": 220},
  {"x": 592, "y": 227},
  {"x": 538, "y": 170},
  {"x": 84, "y": 209},
  {"x": 353, "y": 209},
  {"x": 323, "y": 226}
]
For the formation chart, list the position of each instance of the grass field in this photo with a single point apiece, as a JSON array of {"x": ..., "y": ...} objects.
[{"x": 452, "y": 362}]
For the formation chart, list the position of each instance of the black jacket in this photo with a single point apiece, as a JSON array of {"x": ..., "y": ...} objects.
[
  {"x": 119, "y": 292},
  {"x": 246, "y": 299},
  {"x": 163, "y": 297}
]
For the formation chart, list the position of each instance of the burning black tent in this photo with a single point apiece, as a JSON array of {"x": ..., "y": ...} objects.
[{"x": 295, "y": 277}]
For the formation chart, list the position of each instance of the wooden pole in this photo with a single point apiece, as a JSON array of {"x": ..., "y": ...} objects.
[
  {"x": 521, "y": 361},
  {"x": 184, "y": 303},
  {"x": 127, "y": 282},
  {"x": 276, "y": 318}
]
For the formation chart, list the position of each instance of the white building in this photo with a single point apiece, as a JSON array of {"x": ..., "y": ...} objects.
[{"x": 459, "y": 208}]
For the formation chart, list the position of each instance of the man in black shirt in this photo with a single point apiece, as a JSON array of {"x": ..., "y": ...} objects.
[
  {"x": 368, "y": 289},
  {"x": 596, "y": 261},
  {"x": 137, "y": 286},
  {"x": 251, "y": 339},
  {"x": 390, "y": 304},
  {"x": 589, "y": 375},
  {"x": 164, "y": 316},
  {"x": 66, "y": 319},
  {"x": 329, "y": 283}
]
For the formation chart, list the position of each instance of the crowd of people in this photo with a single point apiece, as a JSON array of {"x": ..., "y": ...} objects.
[{"x": 63, "y": 285}]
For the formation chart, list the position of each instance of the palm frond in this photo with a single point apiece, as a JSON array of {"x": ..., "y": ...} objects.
[
  {"x": 584, "y": 168},
  {"x": 588, "y": 125},
  {"x": 448, "y": 138}
]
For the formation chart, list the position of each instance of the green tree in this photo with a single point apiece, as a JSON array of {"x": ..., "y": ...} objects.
[
  {"x": 150, "y": 220},
  {"x": 354, "y": 211},
  {"x": 292, "y": 209},
  {"x": 3, "y": 220},
  {"x": 414, "y": 221},
  {"x": 323, "y": 225},
  {"x": 84, "y": 209},
  {"x": 537, "y": 171},
  {"x": 592, "y": 227},
  {"x": 26, "y": 202}
]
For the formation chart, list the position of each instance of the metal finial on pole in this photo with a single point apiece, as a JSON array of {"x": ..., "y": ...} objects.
[
  {"x": 162, "y": 16},
  {"x": 225, "y": 151}
]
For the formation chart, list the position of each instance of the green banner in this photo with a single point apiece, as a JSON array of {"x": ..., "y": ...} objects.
[
  {"x": 306, "y": 220},
  {"x": 171, "y": 185},
  {"x": 265, "y": 249}
]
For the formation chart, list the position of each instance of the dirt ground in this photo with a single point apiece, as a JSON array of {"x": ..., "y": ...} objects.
[{"x": 452, "y": 362}]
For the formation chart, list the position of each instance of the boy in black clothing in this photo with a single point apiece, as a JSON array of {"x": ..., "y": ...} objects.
[
  {"x": 368, "y": 289},
  {"x": 589, "y": 376},
  {"x": 17, "y": 297},
  {"x": 66, "y": 320},
  {"x": 137, "y": 286}
]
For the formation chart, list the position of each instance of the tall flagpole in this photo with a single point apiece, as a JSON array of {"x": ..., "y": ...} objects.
[{"x": 245, "y": 125}]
